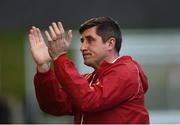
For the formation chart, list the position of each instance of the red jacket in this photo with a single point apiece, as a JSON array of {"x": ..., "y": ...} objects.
[{"x": 114, "y": 93}]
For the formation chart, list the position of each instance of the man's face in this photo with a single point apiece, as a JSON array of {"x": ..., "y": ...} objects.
[{"x": 93, "y": 49}]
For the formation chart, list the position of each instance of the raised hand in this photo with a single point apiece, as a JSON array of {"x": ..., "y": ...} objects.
[
  {"x": 38, "y": 47},
  {"x": 57, "y": 43}
]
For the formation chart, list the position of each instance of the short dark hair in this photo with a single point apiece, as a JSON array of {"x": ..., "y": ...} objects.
[{"x": 106, "y": 27}]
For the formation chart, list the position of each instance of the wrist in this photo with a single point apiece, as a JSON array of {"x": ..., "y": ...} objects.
[
  {"x": 43, "y": 68},
  {"x": 54, "y": 58}
]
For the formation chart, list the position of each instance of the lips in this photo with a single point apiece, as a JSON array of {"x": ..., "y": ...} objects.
[{"x": 86, "y": 55}]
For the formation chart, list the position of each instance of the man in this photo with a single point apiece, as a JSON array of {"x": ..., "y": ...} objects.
[{"x": 113, "y": 93}]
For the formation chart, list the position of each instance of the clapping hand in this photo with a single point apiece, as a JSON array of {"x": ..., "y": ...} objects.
[
  {"x": 58, "y": 44},
  {"x": 38, "y": 47}
]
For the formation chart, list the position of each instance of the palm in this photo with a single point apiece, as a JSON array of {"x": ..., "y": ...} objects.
[{"x": 40, "y": 54}]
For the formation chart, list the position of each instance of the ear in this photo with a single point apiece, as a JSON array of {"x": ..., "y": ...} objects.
[{"x": 111, "y": 43}]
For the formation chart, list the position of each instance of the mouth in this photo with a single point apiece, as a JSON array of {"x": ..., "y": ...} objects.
[{"x": 86, "y": 55}]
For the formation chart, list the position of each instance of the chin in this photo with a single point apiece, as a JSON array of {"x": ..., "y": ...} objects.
[{"x": 88, "y": 63}]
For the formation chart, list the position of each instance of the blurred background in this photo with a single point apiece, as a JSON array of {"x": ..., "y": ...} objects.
[{"x": 151, "y": 35}]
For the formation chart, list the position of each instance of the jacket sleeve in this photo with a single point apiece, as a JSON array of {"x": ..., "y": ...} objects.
[
  {"x": 114, "y": 88},
  {"x": 51, "y": 98}
]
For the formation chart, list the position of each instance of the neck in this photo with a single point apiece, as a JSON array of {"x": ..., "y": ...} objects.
[{"x": 111, "y": 57}]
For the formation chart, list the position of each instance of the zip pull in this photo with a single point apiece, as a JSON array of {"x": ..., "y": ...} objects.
[{"x": 82, "y": 118}]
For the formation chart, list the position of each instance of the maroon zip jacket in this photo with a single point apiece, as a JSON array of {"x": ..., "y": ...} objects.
[{"x": 114, "y": 93}]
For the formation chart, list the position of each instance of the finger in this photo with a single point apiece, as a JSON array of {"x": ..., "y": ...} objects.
[
  {"x": 41, "y": 39},
  {"x": 53, "y": 34},
  {"x": 61, "y": 29},
  {"x": 56, "y": 29},
  {"x": 69, "y": 36},
  {"x": 48, "y": 36},
  {"x": 35, "y": 34},
  {"x": 31, "y": 41}
]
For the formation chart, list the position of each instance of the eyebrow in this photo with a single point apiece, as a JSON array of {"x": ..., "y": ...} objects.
[{"x": 89, "y": 37}]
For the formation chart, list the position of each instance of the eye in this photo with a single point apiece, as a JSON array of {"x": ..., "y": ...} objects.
[
  {"x": 90, "y": 40},
  {"x": 82, "y": 40}
]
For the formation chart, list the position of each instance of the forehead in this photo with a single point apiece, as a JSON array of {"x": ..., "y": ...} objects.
[{"x": 89, "y": 32}]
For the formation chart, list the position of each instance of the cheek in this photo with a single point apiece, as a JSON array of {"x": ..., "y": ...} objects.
[
  {"x": 97, "y": 49},
  {"x": 102, "y": 50}
]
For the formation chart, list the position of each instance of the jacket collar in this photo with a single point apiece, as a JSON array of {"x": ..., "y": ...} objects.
[{"x": 104, "y": 65}]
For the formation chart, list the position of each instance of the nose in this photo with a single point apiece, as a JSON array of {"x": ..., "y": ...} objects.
[{"x": 83, "y": 46}]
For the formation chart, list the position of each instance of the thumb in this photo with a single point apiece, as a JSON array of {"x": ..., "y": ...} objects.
[{"x": 69, "y": 36}]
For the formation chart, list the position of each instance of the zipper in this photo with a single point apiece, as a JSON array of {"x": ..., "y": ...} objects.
[{"x": 82, "y": 117}]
